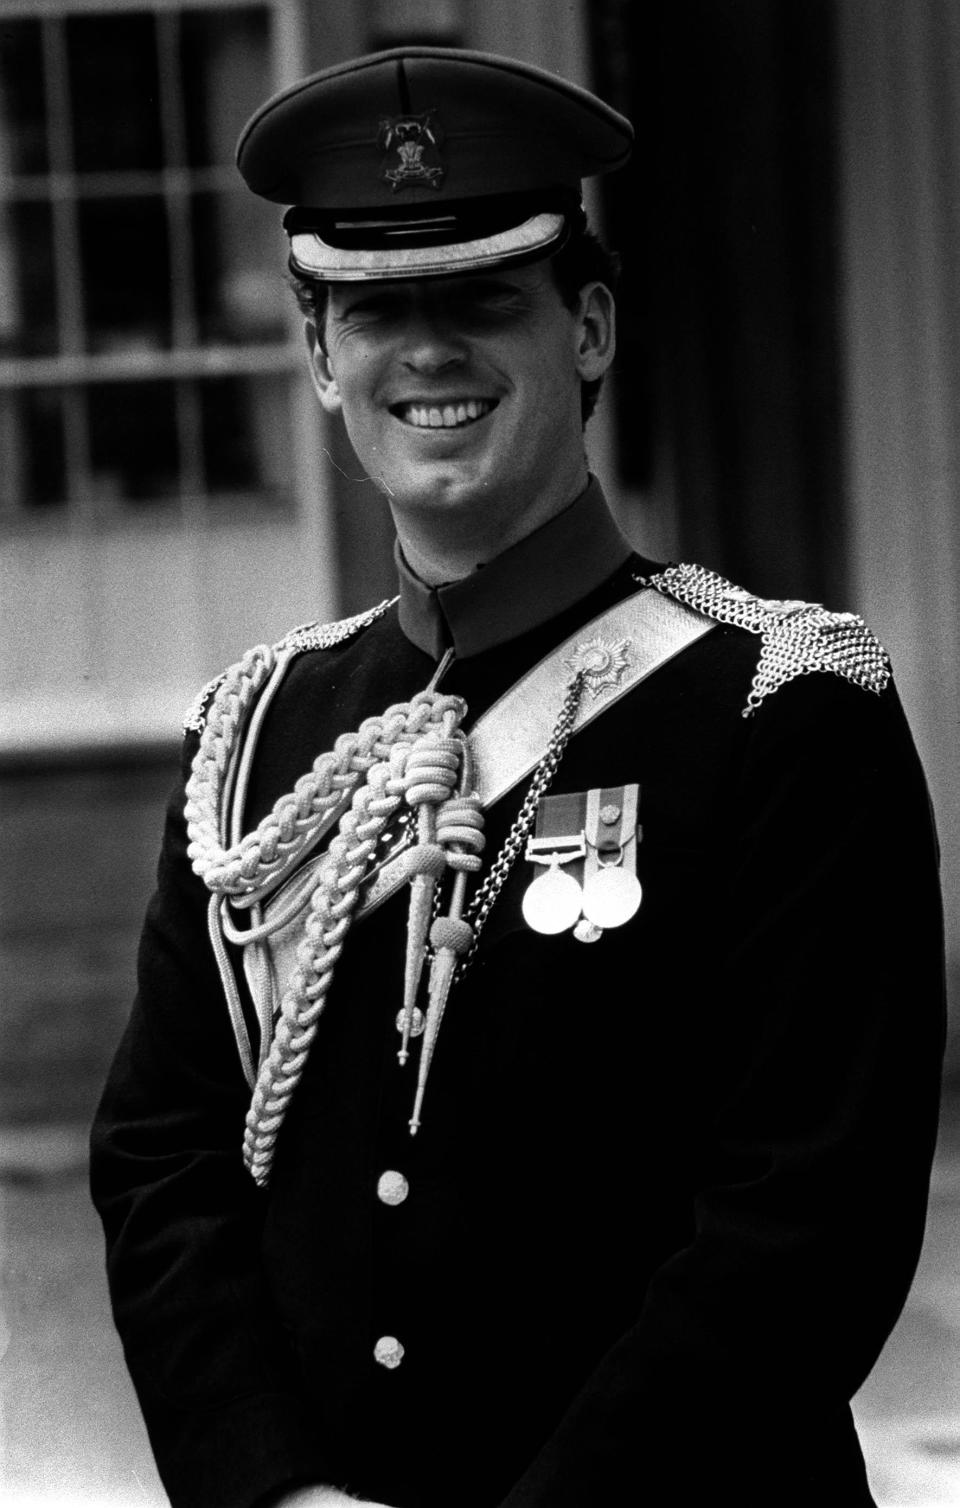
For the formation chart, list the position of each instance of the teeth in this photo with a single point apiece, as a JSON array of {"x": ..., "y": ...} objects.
[{"x": 447, "y": 417}]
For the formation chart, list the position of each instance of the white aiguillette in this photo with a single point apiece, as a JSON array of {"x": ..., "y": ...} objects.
[{"x": 587, "y": 841}]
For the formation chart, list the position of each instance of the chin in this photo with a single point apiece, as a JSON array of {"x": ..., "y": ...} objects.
[{"x": 439, "y": 490}]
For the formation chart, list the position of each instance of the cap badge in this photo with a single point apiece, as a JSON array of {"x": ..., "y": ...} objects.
[{"x": 411, "y": 147}]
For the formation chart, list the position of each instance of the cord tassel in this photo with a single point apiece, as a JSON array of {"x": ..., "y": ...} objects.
[
  {"x": 425, "y": 864},
  {"x": 451, "y": 937},
  {"x": 432, "y": 768}
]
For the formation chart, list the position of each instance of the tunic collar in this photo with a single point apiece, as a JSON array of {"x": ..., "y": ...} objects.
[{"x": 533, "y": 581}]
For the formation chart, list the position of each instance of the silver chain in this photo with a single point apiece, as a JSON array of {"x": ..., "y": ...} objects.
[{"x": 483, "y": 902}]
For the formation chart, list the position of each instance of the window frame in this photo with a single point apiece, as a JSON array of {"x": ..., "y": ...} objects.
[{"x": 187, "y": 362}]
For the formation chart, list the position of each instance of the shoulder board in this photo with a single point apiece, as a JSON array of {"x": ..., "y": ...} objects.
[
  {"x": 797, "y": 637},
  {"x": 326, "y": 635},
  {"x": 297, "y": 641}
]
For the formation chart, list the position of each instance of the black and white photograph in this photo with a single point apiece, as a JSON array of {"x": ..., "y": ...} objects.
[{"x": 479, "y": 734}]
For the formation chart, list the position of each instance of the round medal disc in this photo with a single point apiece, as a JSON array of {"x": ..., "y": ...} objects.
[
  {"x": 611, "y": 896},
  {"x": 553, "y": 902}
]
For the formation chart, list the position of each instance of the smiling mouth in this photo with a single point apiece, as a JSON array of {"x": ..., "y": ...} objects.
[{"x": 445, "y": 415}]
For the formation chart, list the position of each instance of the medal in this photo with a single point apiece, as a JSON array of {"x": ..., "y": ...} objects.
[
  {"x": 611, "y": 896},
  {"x": 589, "y": 841},
  {"x": 611, "y": 891},
  {"x": 553, "y": 902}
]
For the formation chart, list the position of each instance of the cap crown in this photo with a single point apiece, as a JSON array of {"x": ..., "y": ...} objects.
[{"x": 476, "y": 124}]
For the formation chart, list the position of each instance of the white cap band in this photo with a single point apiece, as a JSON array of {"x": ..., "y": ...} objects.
[{"x": 311, "y": 255}]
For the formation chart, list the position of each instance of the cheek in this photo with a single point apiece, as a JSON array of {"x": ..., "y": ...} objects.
[
  {"x": 351, "y": 356},
  {"x": 355, "y": 375},
  {"x": 553, "y": 384},
  {"x": 364, "y": 421}
]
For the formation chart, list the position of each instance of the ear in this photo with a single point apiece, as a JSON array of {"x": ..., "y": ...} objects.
[
  {"x": 324, "y": 382},
  {"x": 596, "y": 327}
]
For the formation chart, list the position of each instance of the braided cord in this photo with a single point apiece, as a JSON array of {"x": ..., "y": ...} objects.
[
  {"x": 331, "y": 912},
  {"x": 407, "y": 756},
  {"x": 406, "y": 728},
  {"x": 366, "y": 768},
  {"x": 246, "y": 870},
  {"x": 388, "y": 784},
  {"x": 297, "y": 820}
]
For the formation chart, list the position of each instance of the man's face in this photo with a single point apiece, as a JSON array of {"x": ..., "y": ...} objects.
[{"x": 461, "y": 395}]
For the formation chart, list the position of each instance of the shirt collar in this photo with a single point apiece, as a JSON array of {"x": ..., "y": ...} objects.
[{"x": 533, "y": 581}]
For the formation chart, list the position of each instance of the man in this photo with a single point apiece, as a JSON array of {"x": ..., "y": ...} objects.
[{"x": 532, "y": 1087}]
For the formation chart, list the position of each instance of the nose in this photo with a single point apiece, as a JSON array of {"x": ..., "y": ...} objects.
[{"x": 431, "y": 343}]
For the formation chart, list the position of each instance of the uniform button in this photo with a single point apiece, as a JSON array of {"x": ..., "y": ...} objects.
[
  {"x": 392, "y": 1187},
  {"x": 388, "y": 1352}
]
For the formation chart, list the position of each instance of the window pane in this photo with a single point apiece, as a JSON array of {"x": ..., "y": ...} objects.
[
  {"x": 33, "y": 475},
  {"x": 133, "y": 91},
  {"x": 241, "y": 289},
  {"x": 23, "y": 134},
  {"x": 28, "y": 306},
  {"x": 225, "y": 63},
  {"x": 134, "y": 456},
  {"x": 115, "y": 92},
  {"x": 247, "y": 438},
  {"x": 125, "y": 266}
]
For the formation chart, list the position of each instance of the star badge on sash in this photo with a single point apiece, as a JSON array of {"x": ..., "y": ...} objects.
[{"x": 602, "y": 662}]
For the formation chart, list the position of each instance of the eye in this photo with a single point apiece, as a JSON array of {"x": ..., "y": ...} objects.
[
  {"x": 493, "y": 290},
  {"x": 369, "y": 306},
  {"x": 488, "y": 300}
]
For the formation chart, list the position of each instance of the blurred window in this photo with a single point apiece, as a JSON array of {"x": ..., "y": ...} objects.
[{"x": 146, "y": 335}]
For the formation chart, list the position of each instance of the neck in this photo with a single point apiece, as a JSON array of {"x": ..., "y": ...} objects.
[
  {"x": 534, "y": 580},
  {"x": 442, "y": 548}
]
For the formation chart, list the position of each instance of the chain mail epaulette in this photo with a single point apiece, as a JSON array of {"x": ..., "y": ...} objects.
[
  {"x": 797, "y": 637},
  {"x": 297, "y": 641}
]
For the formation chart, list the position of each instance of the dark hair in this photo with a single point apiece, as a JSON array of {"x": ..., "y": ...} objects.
[{"x": 582, "y": 259}]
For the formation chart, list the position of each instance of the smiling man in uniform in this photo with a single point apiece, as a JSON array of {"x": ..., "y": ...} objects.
[
  {"x": 461, "y": 396},
  {"x": 531, "y": 1091}
]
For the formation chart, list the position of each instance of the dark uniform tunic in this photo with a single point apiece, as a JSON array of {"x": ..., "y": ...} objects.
[{"x": 669, "y": 1190}]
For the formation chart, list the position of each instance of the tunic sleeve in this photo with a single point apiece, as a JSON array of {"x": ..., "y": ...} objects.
[
  {"x": 813, "y": 1173},
  {"x": 214, "y": 1373}
]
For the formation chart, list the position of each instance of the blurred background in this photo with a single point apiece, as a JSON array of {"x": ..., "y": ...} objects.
[{"x": 784, "y": 409}]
